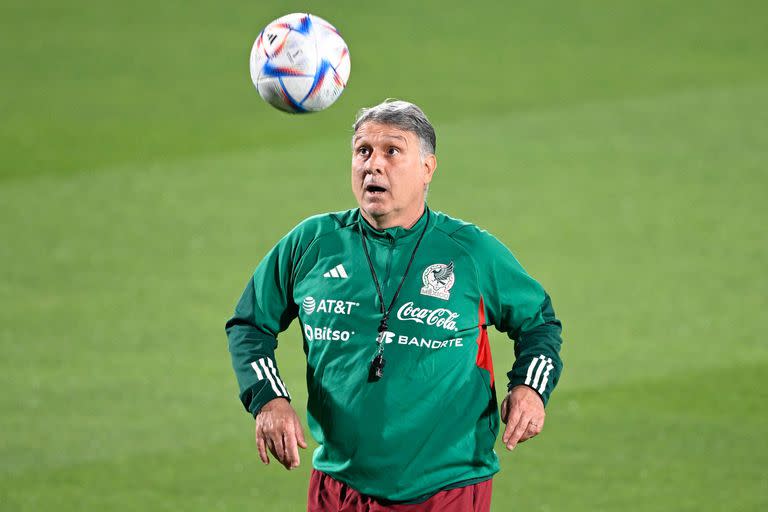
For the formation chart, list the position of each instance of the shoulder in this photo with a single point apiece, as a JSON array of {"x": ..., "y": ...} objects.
[
  {"x": 314, "y": 229},
  {"x": 324, "y": 223},
  {"x": 490, "y": 257},
  {"x": 467, "y": 234}
]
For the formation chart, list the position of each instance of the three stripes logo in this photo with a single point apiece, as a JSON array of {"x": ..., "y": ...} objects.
[
  {"x": 538, "y": 373},
  {"x": 265, "y": 369},
  {"x": 337, "y": 272}
]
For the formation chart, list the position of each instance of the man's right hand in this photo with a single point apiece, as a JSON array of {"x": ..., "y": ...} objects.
[{"x": 278, "y": 429}]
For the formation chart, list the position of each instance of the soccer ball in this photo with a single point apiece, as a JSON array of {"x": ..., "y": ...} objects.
[{"x": 300, "y": 63}]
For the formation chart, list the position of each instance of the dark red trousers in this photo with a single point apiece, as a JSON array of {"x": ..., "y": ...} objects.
[{"x": 329, "y": 495}]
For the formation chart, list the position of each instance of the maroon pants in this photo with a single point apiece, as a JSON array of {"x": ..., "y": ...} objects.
[{"x": 329, "y": 495}]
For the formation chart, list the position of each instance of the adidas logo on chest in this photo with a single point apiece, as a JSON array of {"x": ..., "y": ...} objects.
[{"x": 337, "y": 272}]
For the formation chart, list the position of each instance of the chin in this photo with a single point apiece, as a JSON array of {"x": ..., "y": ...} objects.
[{"x": 376, "y": 209}]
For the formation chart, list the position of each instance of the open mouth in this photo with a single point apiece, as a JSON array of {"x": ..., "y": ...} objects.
[{"x": 375, "y": 189}]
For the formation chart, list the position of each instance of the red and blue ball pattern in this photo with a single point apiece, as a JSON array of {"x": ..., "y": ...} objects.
[{"x": 300, "y": 63}]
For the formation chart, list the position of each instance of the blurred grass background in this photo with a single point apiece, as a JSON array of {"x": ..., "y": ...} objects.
[{"x": 620, "y": 150}]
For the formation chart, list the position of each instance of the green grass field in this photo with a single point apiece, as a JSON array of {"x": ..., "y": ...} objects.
[{"x": 619, "y": 148}]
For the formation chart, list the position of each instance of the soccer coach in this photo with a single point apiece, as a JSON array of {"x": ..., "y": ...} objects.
[{"x": 394, "y": 301}]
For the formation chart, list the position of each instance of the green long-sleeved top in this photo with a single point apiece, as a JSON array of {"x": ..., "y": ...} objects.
[{"x": 431, "y": 421}]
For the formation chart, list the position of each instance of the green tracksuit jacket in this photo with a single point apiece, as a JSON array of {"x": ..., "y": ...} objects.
[{"x": 431, "y": 421}]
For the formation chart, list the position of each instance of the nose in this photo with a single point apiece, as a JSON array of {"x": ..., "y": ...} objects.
[{"x": 376, "y": 163}]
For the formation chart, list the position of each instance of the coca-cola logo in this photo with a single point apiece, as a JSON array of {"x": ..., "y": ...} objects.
[{"x": 440, "y": 317}]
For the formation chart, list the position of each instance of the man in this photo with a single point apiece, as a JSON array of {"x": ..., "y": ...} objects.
[{"x": 394, "y": 301}]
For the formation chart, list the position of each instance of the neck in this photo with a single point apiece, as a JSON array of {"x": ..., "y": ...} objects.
[{"x": 405, "y": 220}]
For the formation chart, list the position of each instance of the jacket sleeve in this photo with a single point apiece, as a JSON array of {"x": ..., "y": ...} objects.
[
  {"x": 518, "y": 305},
  {"x": 265, "y": 309}
]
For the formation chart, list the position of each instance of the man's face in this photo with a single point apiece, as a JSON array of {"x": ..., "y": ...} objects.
[{"x": 389, "y": 174}]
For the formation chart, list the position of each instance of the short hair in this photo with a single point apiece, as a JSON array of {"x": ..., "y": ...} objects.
[{"x": 403, "y": 115}]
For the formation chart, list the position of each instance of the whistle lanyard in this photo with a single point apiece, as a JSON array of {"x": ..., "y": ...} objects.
[{"x": 376, "y": 369}]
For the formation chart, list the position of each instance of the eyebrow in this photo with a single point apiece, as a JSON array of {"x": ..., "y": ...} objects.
[{"x": 400, "y": 137}]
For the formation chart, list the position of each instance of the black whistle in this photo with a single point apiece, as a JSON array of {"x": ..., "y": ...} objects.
[{"x": 376, "y": 370}]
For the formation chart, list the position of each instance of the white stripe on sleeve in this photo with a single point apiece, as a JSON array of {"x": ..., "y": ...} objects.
[
  {"x": 538, "y": 372},
  {"x": 255, "y": 367},
  {"x": 530, "y": 371},
  {"x": 544, "y": 379},
  {"x": 269, "y": 377},
  {"x": 279, "y": 382}
]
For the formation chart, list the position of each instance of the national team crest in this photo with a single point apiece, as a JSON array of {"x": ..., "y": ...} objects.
[{"x": 438, "y": 280}]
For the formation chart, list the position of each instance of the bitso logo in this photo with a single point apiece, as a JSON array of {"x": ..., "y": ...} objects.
[
  {"x": 438, "y": 280},
  {"x": 325, "y": 334},
  {"x": 309, "y": 305}
]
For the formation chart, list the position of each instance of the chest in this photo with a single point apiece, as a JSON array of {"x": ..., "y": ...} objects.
[{"x": 436, "y": 309}]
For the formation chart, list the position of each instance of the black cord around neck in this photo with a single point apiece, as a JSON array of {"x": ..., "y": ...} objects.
[{"x": 385, "y": 312}]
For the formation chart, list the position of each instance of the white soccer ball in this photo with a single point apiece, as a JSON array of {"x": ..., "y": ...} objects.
[{"x": 300, "y": 63}]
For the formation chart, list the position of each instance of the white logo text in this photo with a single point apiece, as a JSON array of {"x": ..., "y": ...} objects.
[
  {"x": 325, "y": 334},
  {"x": 339, "y": 307},
  {"x": 440, "y": 317},
  {"x": 388, "y": 337}
]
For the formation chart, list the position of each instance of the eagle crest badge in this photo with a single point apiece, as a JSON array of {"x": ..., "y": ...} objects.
[{"x": 438, "y": 280}]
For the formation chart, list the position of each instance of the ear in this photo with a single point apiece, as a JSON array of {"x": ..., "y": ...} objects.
[{"x": 430, "y": 164}]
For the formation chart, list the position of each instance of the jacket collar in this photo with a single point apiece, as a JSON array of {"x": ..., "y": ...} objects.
[{"x": 396, "y": 233}]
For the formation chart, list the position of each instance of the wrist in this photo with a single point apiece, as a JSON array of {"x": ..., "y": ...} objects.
[
  {"x": 271, "y": 404},
  {"x": 524, "y": 388}
]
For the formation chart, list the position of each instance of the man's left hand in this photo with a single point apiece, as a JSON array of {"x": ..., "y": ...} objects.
[{"x": 523, "y": 412}]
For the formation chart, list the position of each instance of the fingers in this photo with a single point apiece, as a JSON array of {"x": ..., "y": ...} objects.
[
  {"x": 300, "y": 434},
  {"x": 517, "y": 431},
  {"x": 291, "y": 460},
  {"x": 280, "y": 433},
  {"x": 260, "y": 443},
  {"x": 524, "y": 414},
  {"x": 293, "y": 438},
  {"x": 513, "y": 418},
  {"x": 526, "y": 428},
  {"x": 279, "y": 447},
  {"x": 273, "y": 448},
  {"x": 533, "y": 429},
  {"x": 270, "y": 439},
  {"x": 505, "y": 409}
]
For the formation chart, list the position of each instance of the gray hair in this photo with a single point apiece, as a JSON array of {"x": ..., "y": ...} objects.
[{"x": 403, "y": 115}]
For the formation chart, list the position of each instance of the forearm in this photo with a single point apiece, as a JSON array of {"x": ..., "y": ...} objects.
[
  {"x": 537, "y": 355},
  {"x": 253, "y": 359}
]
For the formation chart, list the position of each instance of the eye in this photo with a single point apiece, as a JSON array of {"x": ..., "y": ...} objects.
[
  {"x": 363, "y": 151},
  {"x": 393, "y": 150}
]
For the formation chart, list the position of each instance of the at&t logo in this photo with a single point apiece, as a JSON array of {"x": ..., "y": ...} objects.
[
  {"x": 309, "y": 305},
  {"x": 332, "y": 306}
]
